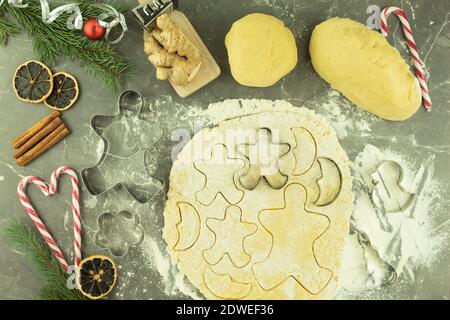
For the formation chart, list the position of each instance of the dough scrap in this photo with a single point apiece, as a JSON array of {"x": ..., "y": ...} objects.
[
  {"x": 365, "y": 68},
  {"x": 261, "y": 50},
  {"x": 319, "y": 231}
]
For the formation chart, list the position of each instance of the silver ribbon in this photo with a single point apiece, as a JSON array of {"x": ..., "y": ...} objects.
[
  {"x": 118, "y": 19},
  {"x": 15, "y": 3},
  {"x": 75, "y": 21}
]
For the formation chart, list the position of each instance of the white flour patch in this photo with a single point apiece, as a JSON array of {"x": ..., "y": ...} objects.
[
  {"x": 2, "y": 178},
  {"x": 159, "y": 260},
  {"x": 385, "y": 247},
  {"x": 344, "y": 117},
  {"x": 173, "y": 280}
]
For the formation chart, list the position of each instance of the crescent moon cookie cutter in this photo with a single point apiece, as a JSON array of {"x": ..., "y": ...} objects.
[
  {"x": 126, "y": 137},
  {"x": 389, "y": 194}
]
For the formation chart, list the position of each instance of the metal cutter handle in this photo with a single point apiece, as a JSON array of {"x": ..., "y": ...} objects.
[{"x": 147, "y": 13}]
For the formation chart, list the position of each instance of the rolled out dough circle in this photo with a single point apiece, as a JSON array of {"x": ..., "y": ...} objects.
[{"x": 265, "y": 243}]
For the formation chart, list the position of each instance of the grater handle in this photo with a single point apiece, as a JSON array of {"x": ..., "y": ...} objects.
[{"x": 150, "y": 10}]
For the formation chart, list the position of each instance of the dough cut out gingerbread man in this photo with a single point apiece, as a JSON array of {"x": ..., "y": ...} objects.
[
  {"x": 219, "y": 171},
  {"x": 294, "y": 231},
  {"x": 230, "y": 233}
]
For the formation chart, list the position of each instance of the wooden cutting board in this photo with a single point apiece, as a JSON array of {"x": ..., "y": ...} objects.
[{"x": 209, "y": 69}]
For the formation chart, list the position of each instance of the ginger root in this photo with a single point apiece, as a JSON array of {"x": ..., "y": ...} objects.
[{"x": 176, "y": 59}]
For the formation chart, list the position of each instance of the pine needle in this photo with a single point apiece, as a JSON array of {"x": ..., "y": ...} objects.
[
  {"x": 45, "y": 263},
  {"x": 54, "y": 41},
  {"x": 6, "y": 30}
]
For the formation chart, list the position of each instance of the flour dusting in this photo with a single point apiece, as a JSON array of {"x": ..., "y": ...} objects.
[
  {"x": 174, "y": 281},
  {"x": 384, "y": 247},
  {"x": 345, "y": 117}
]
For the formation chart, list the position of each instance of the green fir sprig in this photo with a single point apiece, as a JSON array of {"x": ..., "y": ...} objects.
[
  {"x": 46, "y": 265},
  {"x": 53, "y": 41},
  {"x": 7, "y": 30}
]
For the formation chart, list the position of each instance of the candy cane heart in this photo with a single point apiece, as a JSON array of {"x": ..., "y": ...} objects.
[{"x": 50, "y": 190}]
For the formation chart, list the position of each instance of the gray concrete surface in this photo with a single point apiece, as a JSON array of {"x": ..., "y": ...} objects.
[{"x": 212, "y": 19}]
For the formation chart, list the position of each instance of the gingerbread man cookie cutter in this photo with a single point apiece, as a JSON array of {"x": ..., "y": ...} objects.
[{"x": 125, "y": 146}]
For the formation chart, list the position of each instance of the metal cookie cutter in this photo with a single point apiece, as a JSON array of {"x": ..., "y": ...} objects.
[
  {"x": 147, "y": 13},
  {"x": 126, "y": 139},
  {"x": 388, "y": 194}
]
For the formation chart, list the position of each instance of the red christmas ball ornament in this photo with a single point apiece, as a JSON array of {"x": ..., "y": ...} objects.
[{"x": 93, "y": 30}]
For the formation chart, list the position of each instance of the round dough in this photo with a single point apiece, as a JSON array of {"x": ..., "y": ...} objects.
[
  {"x": 361, "y": 64},
  {"x": 241, "y": 227},
  {"x": 261, "y": 50}
]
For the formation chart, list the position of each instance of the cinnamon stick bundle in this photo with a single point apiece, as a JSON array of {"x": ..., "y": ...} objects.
[
  {"x": 39, "y": 138},
  {"x": 24, "y": 137}
]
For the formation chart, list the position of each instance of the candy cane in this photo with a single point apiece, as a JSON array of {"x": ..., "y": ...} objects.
[
  {"x": 418, "y": 63},
  {"x": 49, "y": 190}
]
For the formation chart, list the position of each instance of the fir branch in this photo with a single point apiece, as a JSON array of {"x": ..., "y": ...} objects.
[
  {"x": 46, "y": 264},
  {"x": 7, "y": 30},
  {"x": 54, "y": 40}
]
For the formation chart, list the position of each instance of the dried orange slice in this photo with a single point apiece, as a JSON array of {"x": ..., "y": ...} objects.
[
  {"x": 97, "y": 276},
  {"x": 33, "y": 82},
  {"x": 65, "y": 92}
]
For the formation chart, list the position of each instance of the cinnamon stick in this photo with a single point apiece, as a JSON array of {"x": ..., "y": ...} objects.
[
  {"x": 27, "y": 135},
  {"x": 52, "y": 139},
  {"x": 38, "y": 137}
]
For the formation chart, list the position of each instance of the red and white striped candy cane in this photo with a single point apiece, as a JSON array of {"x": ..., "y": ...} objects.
[
  {"x": 418, "y": 63},
  {"x": 49, "y": 190}
]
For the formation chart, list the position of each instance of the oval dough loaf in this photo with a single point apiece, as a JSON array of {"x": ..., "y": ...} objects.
[
  {"x": 261, "y": 50},
  {"x": 362, "y": 65}
]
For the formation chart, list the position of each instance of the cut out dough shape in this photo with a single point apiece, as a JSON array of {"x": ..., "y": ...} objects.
[
  {"x": 219, "y": 171},
  {"x": 188, "y": 228},
  {"x": 263, "y": 157},
  {"x": 233, "y": 276},
  {"x": 229, "y": 289},
  {"x": 230, "y": 233},
  {"x": 305, "y": 151},
  {"x": 294, "y": 231},
  {"x": 329, "y": 183},
  {"x": 388, "y": 194}
]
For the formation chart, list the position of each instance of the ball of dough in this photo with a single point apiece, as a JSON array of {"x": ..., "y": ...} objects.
[
  {"x": 361, "y": 64},
  {"x": 261, "y": 50}
]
